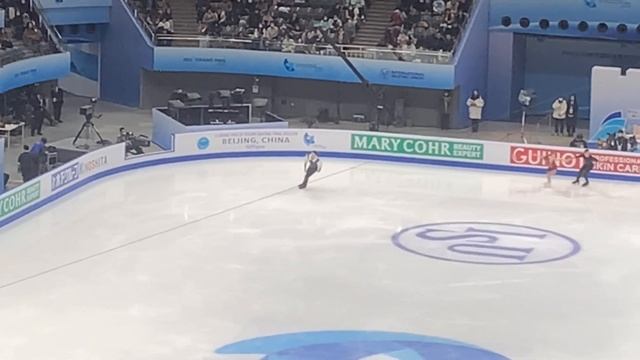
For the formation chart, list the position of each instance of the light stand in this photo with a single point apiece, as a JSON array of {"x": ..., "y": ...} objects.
[{"x": 524, "y": 98}]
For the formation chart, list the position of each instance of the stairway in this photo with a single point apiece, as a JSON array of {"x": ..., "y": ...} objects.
[
  {"x": 184, "y": 17},
  {"x": 378, "y": 19}
]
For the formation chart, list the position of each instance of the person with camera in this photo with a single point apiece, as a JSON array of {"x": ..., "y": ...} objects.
[
  {"x": 578, "y": 142},
  {"x": 131, "y": 146}
]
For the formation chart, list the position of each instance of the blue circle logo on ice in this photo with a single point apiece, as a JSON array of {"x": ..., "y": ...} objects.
[
  {"x": 355, "y": 345},
  {"x": 486, "y": 243},
  {"x": 203, "y": 143}
]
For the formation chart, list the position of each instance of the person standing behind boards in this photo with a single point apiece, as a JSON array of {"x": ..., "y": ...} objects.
[
  {"x": 38, "y": 114},
  {"x": 27, "y": 164},
  {"x": 572, "y": 115},
  {"x": 559, "y": 115},
  {"x": 57, "y": 100},
  {"x": 475, "y": 104}
]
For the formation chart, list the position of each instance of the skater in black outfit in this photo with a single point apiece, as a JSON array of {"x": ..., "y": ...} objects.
[
  {"x": 586, "y": 167},
  {"x": 312, "y": 165}
]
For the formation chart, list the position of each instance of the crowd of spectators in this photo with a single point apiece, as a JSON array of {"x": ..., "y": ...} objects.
[
  {"x": 287, "y": 22},
  {"x": 20, "y": 26},
  {"x": 426, "y": 24},
  {"x": 264, "y": 22}
]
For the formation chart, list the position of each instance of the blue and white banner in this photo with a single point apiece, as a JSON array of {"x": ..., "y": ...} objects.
[
  {"x": 303, "y": 66},
  {"x": 614, "y": 101},
  {"x": 34, "y": 70}
]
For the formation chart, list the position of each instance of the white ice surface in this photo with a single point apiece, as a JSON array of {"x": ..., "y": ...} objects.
[{"x": 175, "y": 261}]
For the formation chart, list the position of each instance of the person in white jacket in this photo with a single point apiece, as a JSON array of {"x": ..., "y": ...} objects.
[
  {"x": 475, "y": 104},
  {"x": 559, "y": 115}
]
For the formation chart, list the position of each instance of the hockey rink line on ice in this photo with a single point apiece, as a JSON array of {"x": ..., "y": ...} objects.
[{"x": 181, "y": 226}]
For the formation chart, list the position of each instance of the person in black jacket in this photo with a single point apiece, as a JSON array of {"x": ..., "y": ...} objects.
[
  {"x": 37, "y": 103},
  {"x": 57, "y": 100},
  {"x": 578, "y": 142},
  {"x": 27, "y": 164},
  {"x": 572, "y": 115},
  {"x": 621, "y": 142},
  {"x": 586, "y": 168}
]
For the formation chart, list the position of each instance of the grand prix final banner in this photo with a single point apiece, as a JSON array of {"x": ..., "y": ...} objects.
[{"x": 609, "y": 162}]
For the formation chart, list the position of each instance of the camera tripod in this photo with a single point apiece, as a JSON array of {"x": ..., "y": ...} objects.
[{"x": 88, "y": 128}]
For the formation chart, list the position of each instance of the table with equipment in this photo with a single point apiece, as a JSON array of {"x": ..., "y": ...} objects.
[{"x": 8, "y": 128}]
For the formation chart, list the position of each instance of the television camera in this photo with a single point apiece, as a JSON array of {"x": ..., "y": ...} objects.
[
  {"x": 88, "y": 128},
  {"x": 133, "y": 143}
]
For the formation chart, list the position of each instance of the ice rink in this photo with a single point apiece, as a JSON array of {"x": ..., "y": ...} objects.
[{"x": 372, "y": 261}]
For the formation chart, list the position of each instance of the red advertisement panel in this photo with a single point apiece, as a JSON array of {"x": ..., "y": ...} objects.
[{"x": 610, "y": 162}]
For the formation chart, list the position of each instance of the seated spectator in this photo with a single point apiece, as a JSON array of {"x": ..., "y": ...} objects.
[
  {"x": 208, "y": 20},
  {"x": 439, "y": 7},
  {"x": 5, "y": 40},
  {"x": 360, "y": 7},
  {"x": 408, "y": 51},
  {"x": 325, "y": 24},
  {"x": 271, "y": 33},
  {"x": 32, "y": 35},
  {"x": 288, "y": 45}
]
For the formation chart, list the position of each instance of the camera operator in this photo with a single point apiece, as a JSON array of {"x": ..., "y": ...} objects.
[
  {"x": 579, "y": 142},
  {"x": 131, "y": 145}
]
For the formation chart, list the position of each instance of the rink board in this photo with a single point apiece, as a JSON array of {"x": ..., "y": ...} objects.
[{"x": 362, "y": 145}]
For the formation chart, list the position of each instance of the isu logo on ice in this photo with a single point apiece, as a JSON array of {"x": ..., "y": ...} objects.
[
  {"x": 611, "y": 163},
  {"x": 355, "y": 345},
  {"x": 486, "y": 243}
]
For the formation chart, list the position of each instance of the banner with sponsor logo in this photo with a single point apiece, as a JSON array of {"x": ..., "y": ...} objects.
[
  {"x": 15, "y": 200},
  {"x": 287, "y": 142},
  {"x": 85, "y": 166},
  {"x": 608, "y": 162},
  {"x": 262, "y": 140},
  {"x": 417, "y": 146}
]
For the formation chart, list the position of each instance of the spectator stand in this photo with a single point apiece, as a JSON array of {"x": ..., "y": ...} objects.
[
  {"x": 26, "y": 33},
  {"x": 427, "y": 25}
]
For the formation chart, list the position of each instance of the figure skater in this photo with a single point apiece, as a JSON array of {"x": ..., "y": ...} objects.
[
  {"x": 586, "y": 167},
  {"x": 552, "y": 167},
  {"x": 312, "y": 165}
]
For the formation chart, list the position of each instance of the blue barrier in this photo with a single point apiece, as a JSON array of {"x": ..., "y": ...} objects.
[{"x": 33, "y": 70}]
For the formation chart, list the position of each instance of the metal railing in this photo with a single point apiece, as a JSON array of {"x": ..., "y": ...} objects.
[{"x": 352, "y": 51}]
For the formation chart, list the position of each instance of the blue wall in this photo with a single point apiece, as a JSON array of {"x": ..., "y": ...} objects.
[
  {"x": 506, "y": 72},
  {"x": 471, "y": 60},
  {"x": 62, "y": 12},
  {"x": 612, "y": 12},
  {"x": 559, "y": 67},
  {"x": 125, "y": 52},
  {"x": 301, "y": 66},
  {"x": 34, "y": 70}
]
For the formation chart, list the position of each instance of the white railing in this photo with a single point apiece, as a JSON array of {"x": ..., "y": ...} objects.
[{"x": 352, "y": 51}]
